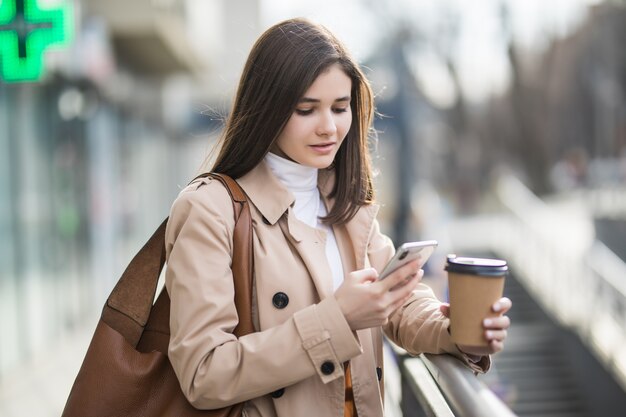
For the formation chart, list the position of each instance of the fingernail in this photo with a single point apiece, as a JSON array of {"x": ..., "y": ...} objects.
[
  {"x": 489, "y": 334},
  {"x": 497, "y": 306},
  {"x": 487, "y": 322}
]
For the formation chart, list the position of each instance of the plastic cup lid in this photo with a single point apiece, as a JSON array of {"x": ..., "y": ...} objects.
[{"x": 477, "y": 266}]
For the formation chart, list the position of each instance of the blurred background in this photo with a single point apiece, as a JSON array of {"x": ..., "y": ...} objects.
[{"x": 501, "y": 132}]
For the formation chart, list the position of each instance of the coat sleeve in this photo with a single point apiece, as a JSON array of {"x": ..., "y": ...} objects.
[
  {"x": 418, "y": 326},
  {"x": 214, "y": 367}
]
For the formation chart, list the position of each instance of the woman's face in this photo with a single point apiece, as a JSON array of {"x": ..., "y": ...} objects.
[{"x": 320, "y": 122}]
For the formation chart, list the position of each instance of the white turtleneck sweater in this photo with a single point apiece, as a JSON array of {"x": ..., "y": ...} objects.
[{"x": 309, "y": 206}]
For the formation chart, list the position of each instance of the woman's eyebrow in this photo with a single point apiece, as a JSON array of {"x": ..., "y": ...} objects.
[{"x": 315, "y": 100}]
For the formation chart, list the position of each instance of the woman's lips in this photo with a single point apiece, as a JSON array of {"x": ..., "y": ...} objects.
[{"x": 323, "y": 148}]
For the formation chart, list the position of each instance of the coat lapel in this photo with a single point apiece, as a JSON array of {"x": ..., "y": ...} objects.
[
  {"x": 275, "y": 202},
  {"x": 359, "y": 229},
  {"x": 310, "y": 244}
]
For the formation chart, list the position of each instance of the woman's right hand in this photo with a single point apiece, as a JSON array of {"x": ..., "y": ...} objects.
[{"x": 367, "y": 302}]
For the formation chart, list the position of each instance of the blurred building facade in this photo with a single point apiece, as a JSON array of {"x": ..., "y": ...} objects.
[{"x": 92, "y": 156}]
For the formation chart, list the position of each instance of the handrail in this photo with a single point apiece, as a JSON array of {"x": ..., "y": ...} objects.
[
  {"x": 581, "y": 284},
  {"x": 442, "y": 383},
  {"x": 425, "y": 389},
  {"x": 469, "y": 396}
]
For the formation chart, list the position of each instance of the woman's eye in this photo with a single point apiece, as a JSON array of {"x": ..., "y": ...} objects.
[
  {"x": 304, "y": 112},
  {"x": 340, "y": 110}
]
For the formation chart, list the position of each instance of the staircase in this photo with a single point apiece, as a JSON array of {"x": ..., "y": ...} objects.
[{"x": 545, "y": 371}]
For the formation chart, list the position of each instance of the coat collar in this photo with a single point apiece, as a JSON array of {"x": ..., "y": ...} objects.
[
  {"x": 273, "y": 199},
  {"x": 266, "y": 192}
]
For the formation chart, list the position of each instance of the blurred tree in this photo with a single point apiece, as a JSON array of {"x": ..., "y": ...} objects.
[
  {"x": 570, "y": 97},
  {"x": 527, "y": 137}
]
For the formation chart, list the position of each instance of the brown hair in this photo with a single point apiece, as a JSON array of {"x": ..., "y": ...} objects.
[{"x": 282, "y": 65}]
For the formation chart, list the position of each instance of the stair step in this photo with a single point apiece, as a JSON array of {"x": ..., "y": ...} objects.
[
  {"x": 532, "y": 369},
  {"x": 579, "y": 413},
  {"x": 543, "y": 395},
  {"x": 546, "y": 406}
]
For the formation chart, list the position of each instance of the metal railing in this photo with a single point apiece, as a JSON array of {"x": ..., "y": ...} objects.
[{"x": 444, "y": 387}]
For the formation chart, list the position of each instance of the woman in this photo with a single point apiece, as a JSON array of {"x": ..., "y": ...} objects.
[{"x": 296, "y": 142}]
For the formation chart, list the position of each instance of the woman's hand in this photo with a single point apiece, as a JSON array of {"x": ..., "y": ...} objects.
[
  {"x": 495, "y": 328},
  {"x": 367, "y": 302}
]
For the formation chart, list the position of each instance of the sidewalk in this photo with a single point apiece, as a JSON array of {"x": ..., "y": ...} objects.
[{"x": 40, "y": 387}]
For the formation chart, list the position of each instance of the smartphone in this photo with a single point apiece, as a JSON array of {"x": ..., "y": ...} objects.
[{"x": 408, "y": 252}]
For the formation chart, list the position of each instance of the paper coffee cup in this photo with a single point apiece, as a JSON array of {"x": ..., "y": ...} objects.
[{"x": 475, "y": 284}]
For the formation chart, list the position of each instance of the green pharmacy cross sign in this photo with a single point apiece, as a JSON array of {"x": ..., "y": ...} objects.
[{"x": 26, "y": 32}]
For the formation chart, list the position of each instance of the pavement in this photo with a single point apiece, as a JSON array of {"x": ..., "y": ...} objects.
[{"x": 40, "y": 387}]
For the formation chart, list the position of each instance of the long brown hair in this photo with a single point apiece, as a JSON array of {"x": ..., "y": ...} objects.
[{"x": 282, "y": 65}]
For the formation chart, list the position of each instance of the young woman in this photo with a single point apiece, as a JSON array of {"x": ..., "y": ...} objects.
[{"x": 297, "y": 142}]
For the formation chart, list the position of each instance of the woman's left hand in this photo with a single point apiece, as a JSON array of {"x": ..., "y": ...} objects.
[{"x": 495, "y": 328}]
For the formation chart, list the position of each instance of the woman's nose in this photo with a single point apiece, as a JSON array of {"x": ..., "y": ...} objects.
[{"x": 327, "y": 125}]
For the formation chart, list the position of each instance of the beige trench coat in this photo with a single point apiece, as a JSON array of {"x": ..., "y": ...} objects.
[{"x": 292, "y": 366}]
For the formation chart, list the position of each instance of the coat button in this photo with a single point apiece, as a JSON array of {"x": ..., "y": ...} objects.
[
  {"x": 278, "y": 393},
  {"x": 379, "y": 372},
  {"x": 328, "y": 368},
  {"x": 280, "y": 300}
]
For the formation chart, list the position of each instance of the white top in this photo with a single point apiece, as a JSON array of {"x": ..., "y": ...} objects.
[{"x": 309, "y": 206}]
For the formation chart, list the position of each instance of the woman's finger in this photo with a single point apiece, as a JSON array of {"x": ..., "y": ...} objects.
[
  {"x": 399, "y": 276},
  {"x": 399, "y": 295},
  {"x": 502, "y": 305},
  {"x": 408, "y": 285},
  {"x": 498, "y": 335},
  {"x": 445, "y": 309},
  {"x": 500, "y": 322},
  {"x": 365, "y": 275},
  {"x": 496, "y": 346}
]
